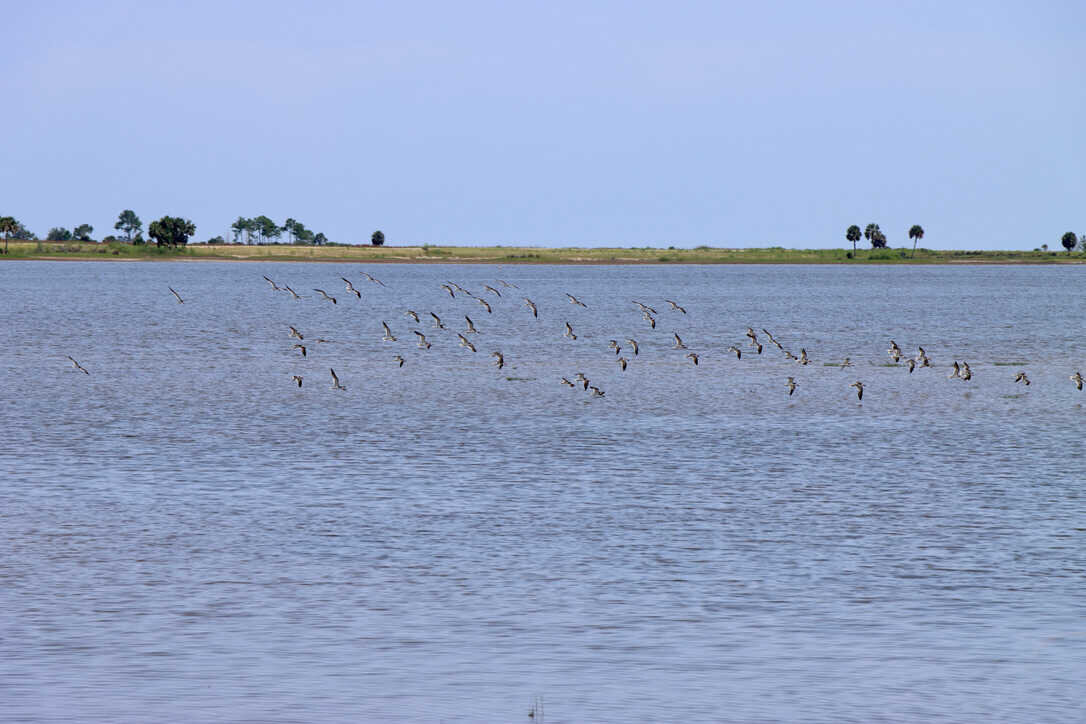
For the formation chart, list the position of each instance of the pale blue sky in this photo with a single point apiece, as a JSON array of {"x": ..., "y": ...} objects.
[{"x": 553, "y": 123}]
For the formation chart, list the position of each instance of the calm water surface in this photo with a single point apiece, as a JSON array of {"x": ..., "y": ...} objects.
[{"x": 188, "y": 536}]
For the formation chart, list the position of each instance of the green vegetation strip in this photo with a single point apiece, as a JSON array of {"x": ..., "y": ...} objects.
[{"x": 523, "y": 255}]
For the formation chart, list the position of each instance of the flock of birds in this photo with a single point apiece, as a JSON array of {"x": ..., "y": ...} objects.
[{"x": 650, "y": 316}]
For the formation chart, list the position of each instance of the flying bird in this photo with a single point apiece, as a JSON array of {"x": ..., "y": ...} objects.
[
  {"x": 411, "y": 314},
  {"x": 1077, "y": 379},
  {"x": 575, "y": 300},
  {"x": 465, "y": 343},
  {"x": 622, "y": 362},
  {"x": 859, "y": 389},
  {"x": 350, "y": 288},
  {"x": 471, "y": 326},
  {"x": 645, "y": 309},
  {"x": 485, "y": 304},
  {"x": 294, "y": 333},
  {"x": 293, "y": 293},
  {"x": 77, "y": 365},
  {"x": 179, "y": 299},
  {"x": 274, "y": 286},
  {"x": 297, "y": 379},
  {"x": 372, "y": 279},
  {"x": 911, "y": 364},
  {"x": 569, "y": 332},
  {"x": 437, "y": 321},
  {"x": 678, "y": 341},
  {"x": 582, "y": 379},
  {"x": 325, "y": 295},
  {"x": 633, "y": 345},
  {"x": 791, "y": 385},
  {"x": 567, "y": 383},
  {"x": 447, "y": 288},
  {"x": 738, "y": 352},
  {"x": 335, "y": 381},
  {"x": 499, "y": 359},
  {"x": 389, "y": 337},
  {"x": 596, "y": 391},
  {"x": 650, "y": 319},
  {"x": 398, "y": 359},
  {"x": 803, "y": 360},
  {"x": 491, "y": 289},
  {"x": 531, "y": 305},
  {"x": 675, "y": 306},
  {"x": 613, "y": 344},
  {"x": 300, "y": 347},
  {"x": 693, "y": 357},
  {"x": 423, "y": 344},
  {"x": 1021, "y": 377}
]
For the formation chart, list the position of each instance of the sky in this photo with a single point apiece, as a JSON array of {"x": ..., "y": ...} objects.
[{"x": 729, "y": 124}]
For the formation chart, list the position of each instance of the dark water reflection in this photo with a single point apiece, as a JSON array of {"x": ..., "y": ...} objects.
[{"x": 187, "y": 536}]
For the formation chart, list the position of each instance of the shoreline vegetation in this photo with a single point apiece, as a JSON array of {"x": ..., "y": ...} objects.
[{"x": 426, "y": 254}]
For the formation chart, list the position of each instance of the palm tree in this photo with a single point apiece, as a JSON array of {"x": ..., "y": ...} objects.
[
  {"x": 916, "y": 233},
  {"x": 8, "y": 226},
  {"x": 1069, "y": 240},
  {"x": 853, "y": 235},
  {"x": 874, "y": 234},
  {"x": 870, "y": 231}
]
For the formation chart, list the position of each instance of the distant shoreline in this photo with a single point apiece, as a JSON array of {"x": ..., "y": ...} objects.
[{"x": 79, "y": 251}]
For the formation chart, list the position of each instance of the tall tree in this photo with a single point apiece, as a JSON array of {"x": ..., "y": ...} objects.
[
  {"x": 242, "y": 225},
  {"x": 171, "y": 231},
  {"x": 916, "y": 233},
  {"x": 288, "y": 226},
  {"x": 129, "y": 223},
  {"x": 318, "y": 240},
  {"x": 22, "y": 233},
  {"x": 378, "y": 238},
  {"x": 1069, "y": 240},
  {"x": 266, "y": 228},
  {"x": 59, "y": 233},
  {"x": 853, "y": 235},
  {"x": 83, "y": 232},
  {"x": 8, "y": 226},
  {"x": 874, "y": 234}
]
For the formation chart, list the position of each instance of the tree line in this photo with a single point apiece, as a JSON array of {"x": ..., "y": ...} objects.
[
  {"x": 171, "y": 231},
  {"x": 262, "y": 230},
  {"x": 874, "y": 234}
]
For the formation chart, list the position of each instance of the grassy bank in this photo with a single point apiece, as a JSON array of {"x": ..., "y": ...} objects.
[{"x": 530, "y": 255}]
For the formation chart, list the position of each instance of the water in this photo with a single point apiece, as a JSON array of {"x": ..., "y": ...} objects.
[{"x": 188, "y": 536}]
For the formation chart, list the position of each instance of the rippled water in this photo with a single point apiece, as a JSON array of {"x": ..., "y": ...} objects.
[{"x": 187, "y": 536}]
